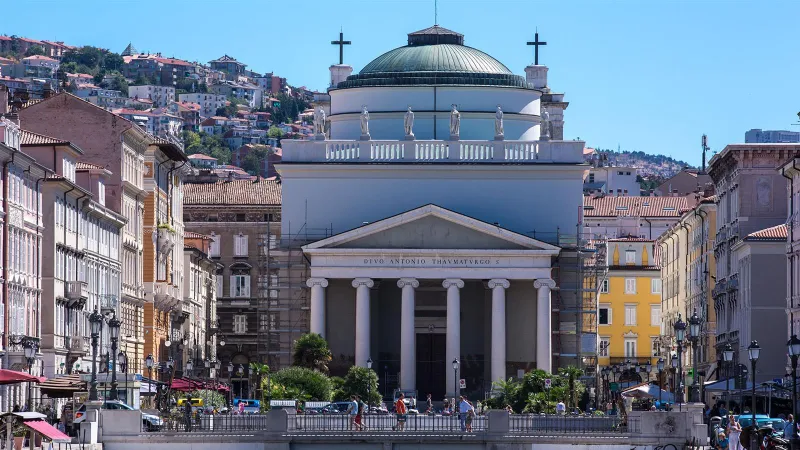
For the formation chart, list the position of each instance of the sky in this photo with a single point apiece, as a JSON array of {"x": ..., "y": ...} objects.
[{"x": 638, "y": 75}]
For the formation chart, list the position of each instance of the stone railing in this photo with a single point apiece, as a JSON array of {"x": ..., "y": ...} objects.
[{"x": 433, "y": 151}]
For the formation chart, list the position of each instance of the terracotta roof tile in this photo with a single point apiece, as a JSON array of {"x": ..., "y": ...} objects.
[
  {"x": 776, "y": 233},
  {"x": 234, "y": 192},
  {"x": 201, "y": 156},
  {"x": 609, "y": 206},
  {"x": 31, "y": 138}
]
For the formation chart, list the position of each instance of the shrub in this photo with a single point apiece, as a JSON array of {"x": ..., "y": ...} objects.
[{"x": 307, "y": 384}]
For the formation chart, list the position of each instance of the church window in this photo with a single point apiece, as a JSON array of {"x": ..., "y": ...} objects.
[
  {"x": 240, "y": 245},
  {"x": 604, "y": 286},
  {"x": 655, "y": 286},
  {"x": 239, "y": 324},
  {"x": 630, "y": 347},
  {"x": 630, "y": 256},
  {"x": 630, "y": 285},
  {"x": 603, "y": 349},
  {"x": 604, "y": 315},
  {"x": 655, "y": 315},
  {"x": 630, "y": 314}
]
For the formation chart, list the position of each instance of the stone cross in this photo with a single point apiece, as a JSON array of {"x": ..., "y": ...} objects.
[
  {"x": 341, "y": 43},
  {"x": 536, "y": 43}
]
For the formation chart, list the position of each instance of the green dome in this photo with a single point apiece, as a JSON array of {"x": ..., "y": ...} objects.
[{"x": 434, "y": 56}]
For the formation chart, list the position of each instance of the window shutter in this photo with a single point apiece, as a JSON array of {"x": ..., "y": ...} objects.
[
  {"x": 243, "y": 246},
  {"x": 246, "y": 290},
  {"x": 220, "y": 286},
  {"x": 233, "y": 281}
]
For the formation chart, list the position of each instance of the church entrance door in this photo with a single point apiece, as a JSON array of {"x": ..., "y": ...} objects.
[{"x": 431, "y": 367}]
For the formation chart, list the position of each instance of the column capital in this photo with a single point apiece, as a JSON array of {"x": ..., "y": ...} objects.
[
  {"x": 311, "y": 282},
  {"x": 499, "y": 282},
  {"x": 363, "y": 282},
  {"x": 544, "y": 282},
  {"x": 403, "y": 282},
  {"x": 449, "y": 282}
]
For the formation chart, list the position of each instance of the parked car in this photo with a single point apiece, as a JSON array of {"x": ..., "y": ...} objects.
[
  {"x": 336, "y": 408},
  {"x": 150, "y": 422},
  {"x": 763, "y": 420}
]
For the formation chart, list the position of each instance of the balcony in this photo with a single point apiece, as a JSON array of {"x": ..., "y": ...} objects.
[
  {"x": 634, "y": 359},
  {"x": 165, "y": 240},
  {"x": 76, "y": 292},
  {"x": 109, "y": 303},
  {"x": 77, "y": 345}
]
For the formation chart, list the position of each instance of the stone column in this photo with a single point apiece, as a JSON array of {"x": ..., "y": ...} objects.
[
  {"x": 498, "y": 287},
  {"x": 408, "y": 341},
  {"x": 544, "y": 331},
  {"x": 317, "y": 286},
  {"x": 453, "y": 286},
  {"x": 362, "y": 286}
]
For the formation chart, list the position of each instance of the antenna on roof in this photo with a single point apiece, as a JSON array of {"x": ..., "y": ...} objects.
[{"x": 704, "y": 143}]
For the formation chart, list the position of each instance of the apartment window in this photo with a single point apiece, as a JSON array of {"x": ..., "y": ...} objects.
[
  {"x": 239, "y": 324},
  {"x": 604, "y": 286},
  {"x": 630, "y": 314},
  {"x": 214, "y": 247},
  {"x": 240, "y": 285},
  {"x": 630, "y": 256},
  {"x": 240, "y": 245},
  {"x": 655, "y": 286},
  {"x": 604, "y": 315},
  {"x": 630, "y": 285},
  {"x": 603, "y": 349},
  {"x": 655, "y": 347},
  {"x": 220, "y": 292},
  {"x": 273, "y": 282},
  {"x": 655, "y": 315},
  {"x": 630, "y": 347}
]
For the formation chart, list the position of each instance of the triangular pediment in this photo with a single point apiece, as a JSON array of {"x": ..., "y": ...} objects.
[{"x": 431, "y": 227}]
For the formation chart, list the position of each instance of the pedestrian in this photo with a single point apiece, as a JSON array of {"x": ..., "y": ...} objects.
[
  {"x": 352, "y": 412},
  {"x": 509, "y": 409},
  {"x": 722, "y": 441},
  {"x": 609, "y": 408},
  {"x": 429, "y": 405},
  {"x": 735, "y": 432},
  {"x": 788, "y": 429},
  {"x": 470, "y": 416},
  {"x": 561, "y": 408},
  {"x": 241, "y": 406},
  {"x": 463, "y": 408},
  {"x": 400, "y": 411},
  {"x": 446, "y": 406},
  {"x": 359, "y": 414}
]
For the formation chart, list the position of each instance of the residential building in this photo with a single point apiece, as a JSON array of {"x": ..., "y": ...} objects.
[
  {"x": 202, "y": 161},
  {"x": 189, "y": 112},
  {"x": 199, "y": 298},
  {"x": 644, "y": 217},
  {"x": 791, "y": 170},
  {"x": 209, "y": 103},
  {"x": 685, "y": 182},
  {"x": 117, "y": 145},
  {"x": 56, "y": 49},
  {"x": 267, "y": 169},
  {"x": 160, "y": 95},
  {"x": 688, "y": 279},
  {"x": 156, "y": 68},
  {"x": 613, "y": 181},
  {"x": 39, "y": 66},
  {"x": 104, "y": 98},
  {"x": 759, "y": 136},
  {"x": 229, "y": 65},
  {"x": 751, "y": 264},
  {"x": 157, "y": 122},
  {"x": 242, "y": 218},
  {"x": 629, "y": 311},
  {"x": 164, "y": 315},
  {"x": 250, "y": 93}
]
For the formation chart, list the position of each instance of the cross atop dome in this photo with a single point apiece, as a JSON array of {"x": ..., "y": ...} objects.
[{"x": 435, "y": 35}]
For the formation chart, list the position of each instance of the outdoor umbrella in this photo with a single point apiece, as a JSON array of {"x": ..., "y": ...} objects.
[
  {"x": 649, "y": 391},
  {"x": 13, "y": 377}
]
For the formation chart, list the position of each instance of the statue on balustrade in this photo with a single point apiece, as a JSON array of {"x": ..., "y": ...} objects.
[
  {"x": 545, "y": 125},
  {"x": 455, "y": 122},
  {"x": 319, "y": 121},
  {"x": 498, "y": 123},
  {"x": 364, "y": 121},
  {"x": 408, "y": 123}
]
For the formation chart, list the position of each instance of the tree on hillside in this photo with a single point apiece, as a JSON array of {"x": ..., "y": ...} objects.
[
  {"x": 206, "y": 144},
  {"x": 254, "y": 161},
  {"x": 34, "y": 50},
  {"x": 275, "y": 132},
  {"x": 311, "y": 350}
]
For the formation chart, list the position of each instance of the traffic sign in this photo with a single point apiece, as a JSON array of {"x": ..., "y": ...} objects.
[
  {"x": 548, "y": 383},
  {"x": 614, "y": 387},
  {"x": 778, "y": 381},
  {"x": 462, "y": 384}
]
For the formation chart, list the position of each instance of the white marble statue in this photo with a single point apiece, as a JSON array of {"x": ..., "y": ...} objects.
[
  {"x": 319, "y": 121},
  {"x": 455, "y": 121},
  {"x": 364, "y": 121},
  {"x": 498, "y": 122},
  {"x": 545, "y": 125},
  {"x": 408, "y": 122}
]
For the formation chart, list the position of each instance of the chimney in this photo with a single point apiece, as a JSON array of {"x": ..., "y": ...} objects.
[{"x": 4, "y": 108}]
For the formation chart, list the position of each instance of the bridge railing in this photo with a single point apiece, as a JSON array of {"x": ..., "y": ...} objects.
[
  {"x": 565, "y": 424},
  {"x": 390, "y": 422}
]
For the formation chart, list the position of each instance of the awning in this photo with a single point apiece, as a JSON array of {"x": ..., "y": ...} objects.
[
  {"x": 63, "y": 387},
  {"x": 14, "y": 377},
  {"x": 649, "y": 391},
  {"x": 48, "y": 431}
]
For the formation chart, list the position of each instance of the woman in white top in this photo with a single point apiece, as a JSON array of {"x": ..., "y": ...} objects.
[{"x": 734, "y": 431}]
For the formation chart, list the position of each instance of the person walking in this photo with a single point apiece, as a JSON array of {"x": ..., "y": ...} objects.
[
  {"x": 470, "y": 416},
  {"x": 352, "y": 413},
  {"x": 722, "y": 441},
  {"x": 561, "y": 408},
  {"x": 429, "y": 405},
  {"x": 463, "y": 409},
  {"x": 735, "y": 432},
  {"x": 400, "y": 411}
]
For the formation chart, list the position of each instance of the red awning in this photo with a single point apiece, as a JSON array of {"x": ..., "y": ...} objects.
[
  {"x": 185, "y": 385},
  {"x": 13, "y": 377},
  {"x": 48, "y": 431}
]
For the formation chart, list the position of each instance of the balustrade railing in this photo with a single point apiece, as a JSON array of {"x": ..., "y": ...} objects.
[{"x": 565, "y": 424}]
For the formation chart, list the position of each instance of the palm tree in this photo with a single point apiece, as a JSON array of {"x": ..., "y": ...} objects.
[
  {"x": 571, "y": 373},
  {"x": 259, "y": 370},
  {"x": 312, "y": 351}
]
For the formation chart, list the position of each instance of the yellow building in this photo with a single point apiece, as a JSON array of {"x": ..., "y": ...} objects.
[{"x": 629, "y": 309}]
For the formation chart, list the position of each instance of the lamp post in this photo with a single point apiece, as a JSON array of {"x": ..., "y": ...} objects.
[
  {"x": 673, "y": 361},
  {"x": 230, "y": 380},
  {"x": 122, "y": 361},
  {"x": 604, "y": 372},
  {"x": 149, "y": 362},
  {"x": 753, "y": 352},
  {"x": 240, "y": 372},
  {"x": 369, "y": 385},
  {"x": 680, "y": 335},
  {"x": 113, "y": 331},
  {"x": 30, "y": 347},
  {"x": 456, "y": 364},
  {"x": 727, "y": 355},
  {"x": 794, "y": 353},
  {"x": 96, "y": 323},
  {"x": 694, "y": 338},
  {"x": 660, "y": 367}
]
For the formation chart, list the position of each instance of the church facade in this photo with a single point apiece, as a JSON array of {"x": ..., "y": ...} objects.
[{"x": 430, "y": 205}]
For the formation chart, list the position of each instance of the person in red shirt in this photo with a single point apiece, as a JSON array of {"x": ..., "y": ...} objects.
[{"x": 400, "y": 410}]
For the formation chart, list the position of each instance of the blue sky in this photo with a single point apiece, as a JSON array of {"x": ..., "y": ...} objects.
[{"x": 644, "y": 75}]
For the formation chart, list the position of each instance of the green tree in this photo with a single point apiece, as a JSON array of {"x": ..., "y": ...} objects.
[
  {"x": 259, "y": 370},
  {"x": 212, "y": 399},
  {"x": 275, "y": 132},
  {"x": 254, "y": 161},
  {"x": 311, "y": 351},
  {"x": 206, "y": 144},
  {"x": 34, "y": 50},
  {"x": 362, "y": 382},
  {"x": 571, "y": 374},
  {"x": 337, "y": 385},
  {"x": 307, "y": 384}
]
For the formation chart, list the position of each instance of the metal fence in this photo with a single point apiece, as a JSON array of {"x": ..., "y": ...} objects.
[
  {"x": 558, "y": 424},
  {"x": 390, "y": 422},
  {"x": 214, "y": 423}
]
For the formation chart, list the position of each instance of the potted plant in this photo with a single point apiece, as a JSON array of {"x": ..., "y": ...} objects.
[{"x": 19, "y": 436}]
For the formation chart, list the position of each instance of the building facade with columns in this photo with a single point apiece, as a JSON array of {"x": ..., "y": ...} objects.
[{"x": 442, "y": 241}]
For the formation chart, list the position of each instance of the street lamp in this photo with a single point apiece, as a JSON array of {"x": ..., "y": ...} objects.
[
  {"x": 673, "y": 361},
  {"x": 122, "y": 362},
  {"x": 694, "y": 337},
  {"x": 660, "y": 367},
  {"x": 30, "y": 347},
  {"x": 96, "y": 323},
  {"x": 369, "y": 384},
  {"x": 794, "y": 353},
  {"x": 149, "y": 362},
  {"x": 240, "y": 371},
  {"x": 456, "y": 364},
  {"x": 189, "y": 367},
  {"x": 680, "y": 335},
  {"x": 727, "y": 355},
  {"x": 113, "y": 331},
  {"x": 753, "y": 352}
]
